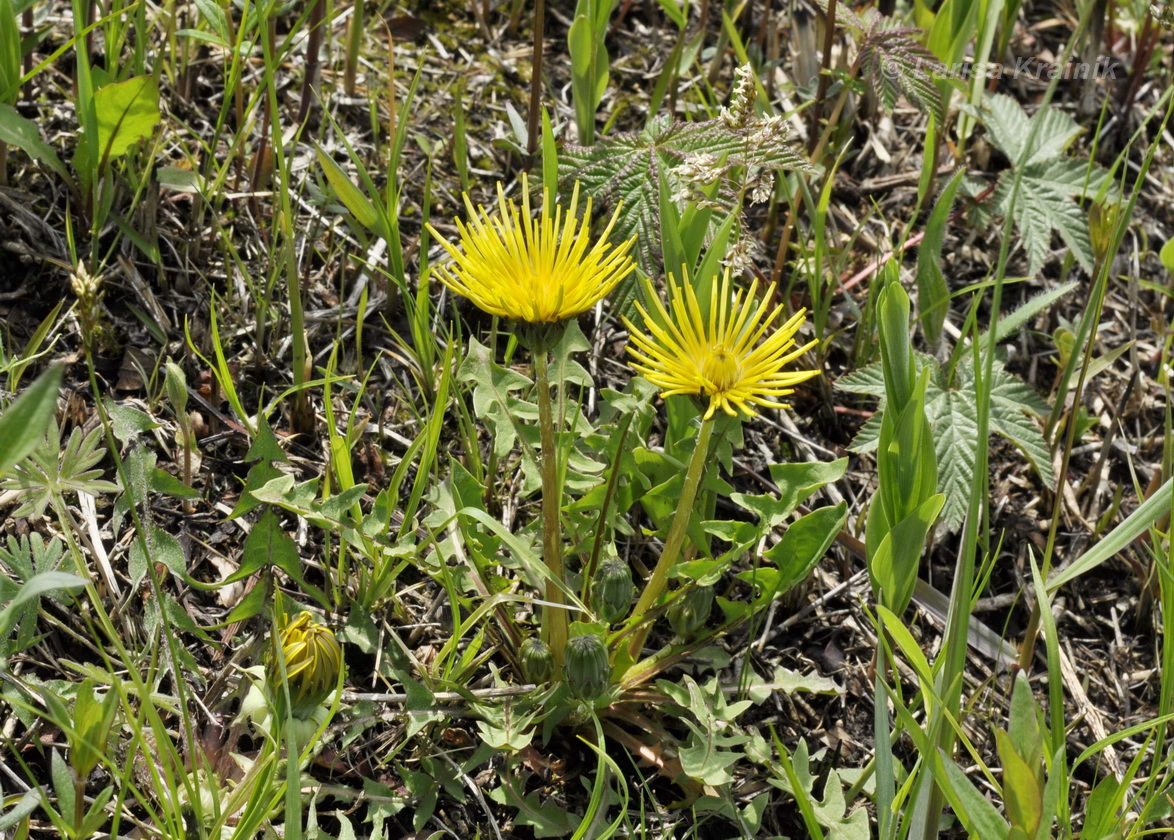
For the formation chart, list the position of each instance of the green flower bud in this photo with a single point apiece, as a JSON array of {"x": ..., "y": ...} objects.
[
  {"x": 689, "y": 612},
  {"x": 588, "y": 671},
  {"x": 313, "y": 659},
  {"x": 537, "y": 661},
  {"x": 613, "y": 591}
]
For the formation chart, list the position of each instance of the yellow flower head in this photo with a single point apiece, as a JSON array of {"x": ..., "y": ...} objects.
[
  {"x": 728, "y": 356},
  {"x": 536, "y": 270},
  {"x": 313, "y": 659}
]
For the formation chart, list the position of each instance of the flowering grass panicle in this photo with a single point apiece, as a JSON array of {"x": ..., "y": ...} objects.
[
  {"x": 729, "y": 356},
  {"x": 541, "y": 270},
  {"x": 313, "y": 659}
]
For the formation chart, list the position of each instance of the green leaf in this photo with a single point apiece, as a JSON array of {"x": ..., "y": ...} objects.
[
  {"x": 493, "y": 400},
  {"x": 23, "y": 423},
  {"x": 1009, "y": 128},
  {"x": 1022, "y": 791},
  {"x": 976, "y": 812},
  {"x": 267, "y": 545},
  {"x": 933, "y": 295},
  {"x": 622, "y": 166},
  {"x": 349, "y": 194},
  {"x": 127, "y": 113},
  {"x": 1167, "y": 255},
  {"x": 10, "y": 53},
  {"x": 27, "y": 803},
  {"x": 35, "y": 587},
  {"x": 796, "y": 482},
  {"x": 547, "y": 818},
  {"x": 128, "y": 423},
  {"x": 164, "y": 548},
  {"x": 894, "y": 62},
  {"x": 1047, "y": 179},
  {"x": 804, "y": 544},
  {"x": 17, "y": 131},
  {"x": 894, "y": 565},
  {"x": 953, "y": 419}
]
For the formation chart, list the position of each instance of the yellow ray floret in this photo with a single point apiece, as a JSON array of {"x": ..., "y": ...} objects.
[
  {"x": 313, "y": 659},
  {"x": 728, "y": 356},
  {"x": 538, "y": 270}
]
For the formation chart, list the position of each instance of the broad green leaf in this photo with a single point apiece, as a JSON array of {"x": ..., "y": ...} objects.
[
  {"x": 24, "y": 422},
  {"x": 1022, "y": 792},
  {"x": 17, "y": 131},
  {"x": 35, "y": 587},
  {"x": 127, "y": 113},
  {"x": 163, "y": 548},
  {"x": 804, "y": 544},
  {"x": 976, "y": 812},
  {"x": 894, "y": 565},
  {"x": 128, "y": 423}
]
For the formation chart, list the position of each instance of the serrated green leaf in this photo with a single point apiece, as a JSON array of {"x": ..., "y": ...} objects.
[
  {"x": 621, "y": 167},
  {"x": 953, "y": 417},
  {"x": 1047, "y": 179},
  {"x": 894, "y": 62},
  {"x": 953, "y": 420},
  {"x": 493, "y": 400}
]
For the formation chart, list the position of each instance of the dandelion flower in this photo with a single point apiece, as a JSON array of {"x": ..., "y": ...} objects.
[
  {"x": 537, "y": 270},
  {"x": 728, "y": 356},
  {"x": 313, "y": 659}
]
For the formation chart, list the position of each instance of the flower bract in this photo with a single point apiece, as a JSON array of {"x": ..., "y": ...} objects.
[
  {"x": 730, "y": 355},
  {"x": 540, "y": 270},
  {"x": 313, "y": 659}
]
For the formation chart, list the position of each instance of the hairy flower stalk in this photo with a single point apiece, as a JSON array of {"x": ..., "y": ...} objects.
[
  {"x": 541, "y": 272},
  {"x": 729, "y": 356},
  {"x": 555, "y": 620}
]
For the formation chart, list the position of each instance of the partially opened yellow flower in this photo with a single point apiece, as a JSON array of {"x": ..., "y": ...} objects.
[
  {"x": 537, "y": 270},
  {"x": 728, "y": 356},
  {"x": 312, "y": 658}
]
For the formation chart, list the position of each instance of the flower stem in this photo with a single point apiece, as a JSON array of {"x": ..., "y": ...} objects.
[
  {"x": 676, "y": 538},
  {"x": 554, "y": 621}
]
